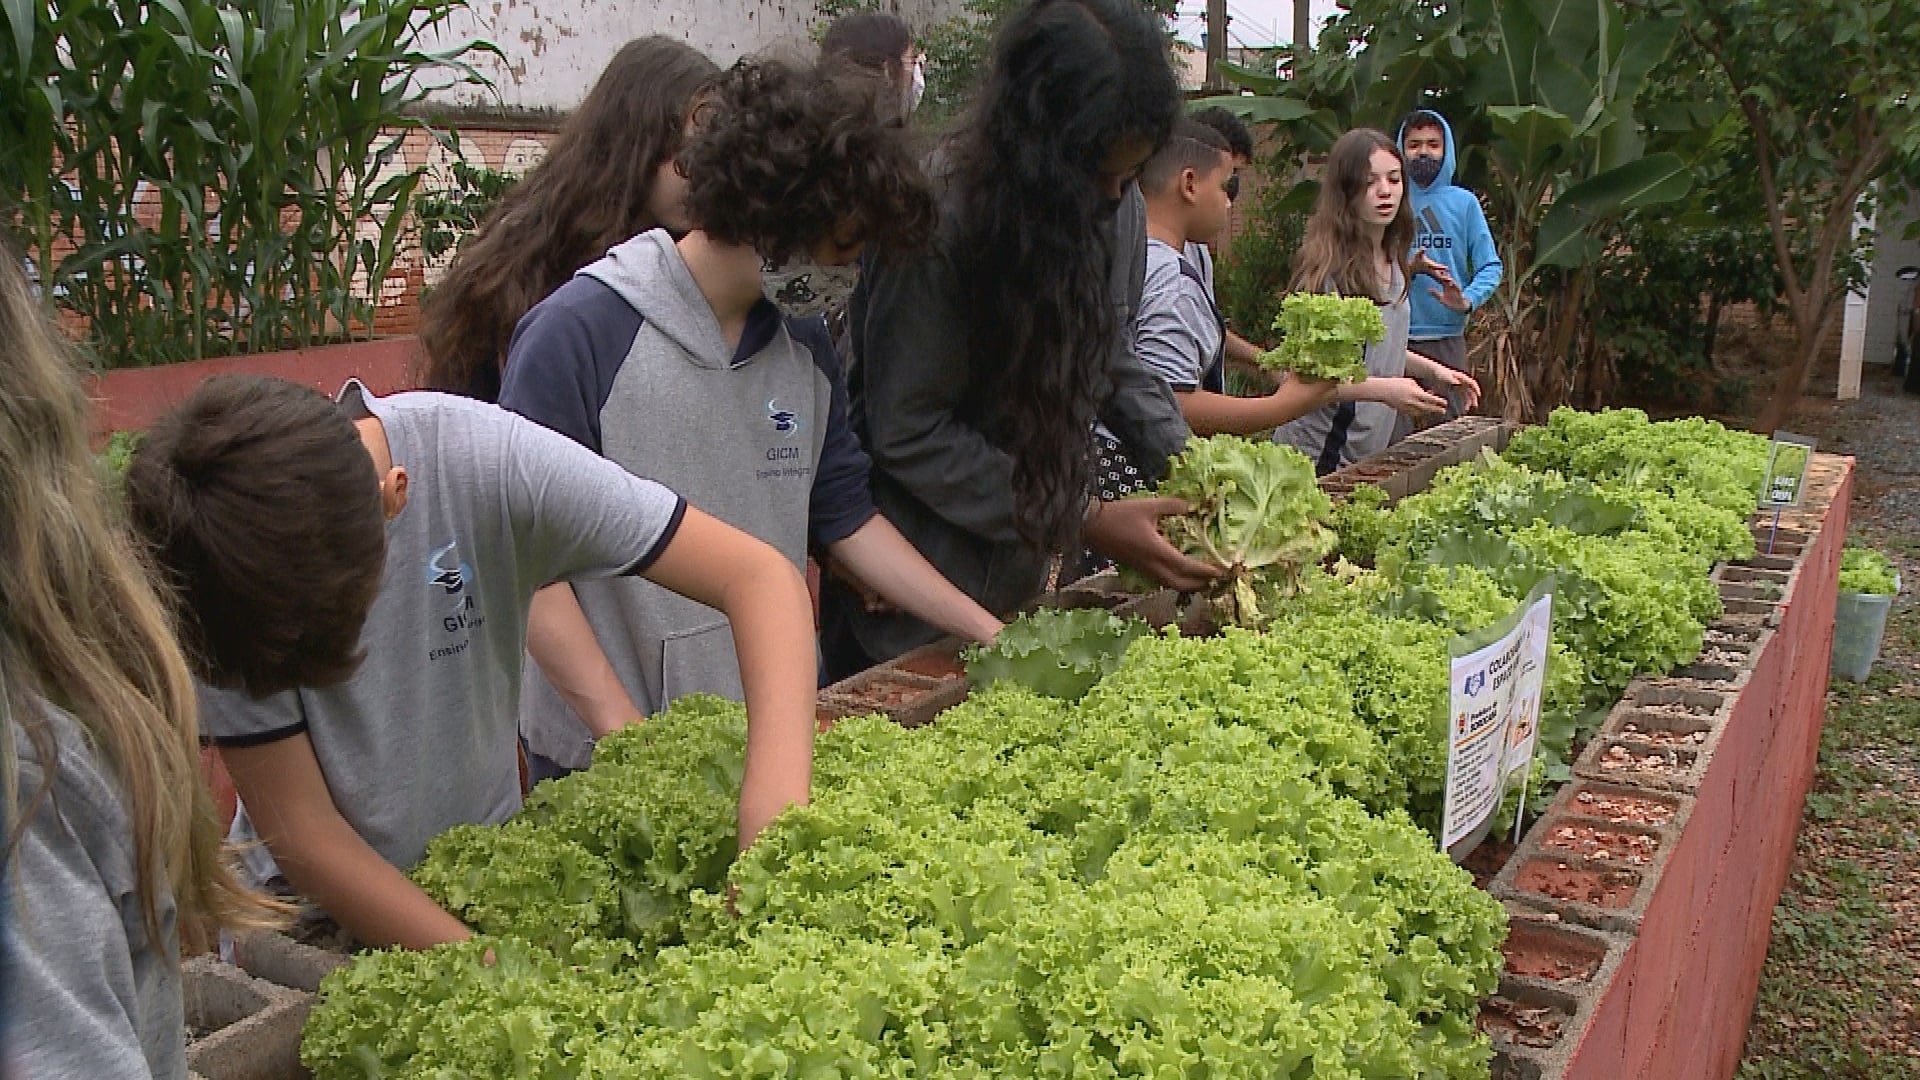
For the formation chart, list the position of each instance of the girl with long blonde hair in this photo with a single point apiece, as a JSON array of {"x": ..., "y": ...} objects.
[
  {"x": 1357, "y": 244},
  {"x": 111, "y": 849}
]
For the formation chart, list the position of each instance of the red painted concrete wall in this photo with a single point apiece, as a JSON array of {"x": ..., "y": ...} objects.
[
  {"x": 1679, "y": 1006},
  {"x": 131, "y": 399}
]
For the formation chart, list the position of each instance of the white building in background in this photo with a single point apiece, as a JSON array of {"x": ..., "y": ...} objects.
[
  {"x": 555, "y": 49},
  {"x": 1886, "y": 293}
]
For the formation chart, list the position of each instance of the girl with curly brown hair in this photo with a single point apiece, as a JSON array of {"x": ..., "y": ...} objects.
[
  {"x": 667, "y": 357},
  {"x": 980, "y": 365}
]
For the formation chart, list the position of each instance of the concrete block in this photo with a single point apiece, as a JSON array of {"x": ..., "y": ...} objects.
[
  {"x": 240, "y": 1027},
  {"x": 283, "y": 961},
  {"x": 909, "y": 700},
  {"x": 1550, "y": 1002}
]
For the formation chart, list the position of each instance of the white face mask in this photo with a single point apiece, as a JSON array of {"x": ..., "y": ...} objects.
[{"x": 916, "y": 85}]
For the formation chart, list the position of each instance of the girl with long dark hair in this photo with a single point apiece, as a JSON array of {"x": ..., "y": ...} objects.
[
  {"x": 608, "y": 176},
  {"x": 1356, "y": 245},
  {"x": 980, "y": 367}
]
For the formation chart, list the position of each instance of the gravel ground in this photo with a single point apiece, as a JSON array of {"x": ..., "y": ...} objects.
[{"x": 1881, "y": 430}]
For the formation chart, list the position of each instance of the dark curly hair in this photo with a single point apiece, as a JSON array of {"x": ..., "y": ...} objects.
[
  {"x": 591, "y": 191},
  {"x": 785, "y": 157},
  {"x": 1068, "y": 83},
  {"x": 1231, "y": 128}
]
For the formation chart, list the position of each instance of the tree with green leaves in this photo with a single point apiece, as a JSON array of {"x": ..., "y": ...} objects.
[{"x": 1829, "y": 95}]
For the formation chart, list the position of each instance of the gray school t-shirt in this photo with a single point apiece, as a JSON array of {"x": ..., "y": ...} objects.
[
  {"x": 1339, "y": 435},
  {"x": 423, "y": 736},
  {"x": 1176, "y": 333},
  {"x": 90, "y": 995}
]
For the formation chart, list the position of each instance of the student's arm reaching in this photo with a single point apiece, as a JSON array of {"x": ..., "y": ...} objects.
[
  {"x": 766, "y": 601},
  {"x": 324, "y": 859},
  {"x": 1224, "y": 414},
  {"x": 885, "y": 562},
  {"x": 562, "y": 643}
]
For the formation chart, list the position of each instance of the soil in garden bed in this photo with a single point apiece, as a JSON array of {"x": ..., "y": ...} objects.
[
  {"x": 1542, "y": 954},
  {"x": 883, "y": 694},
  {"x": 1622, "y": 809},
  {"x": 1526, "y": 1025},
  {"x": 1486, "y": 861},
  {"x": 1600, "y": 888},
  {"x": 1604, "y": 844}
]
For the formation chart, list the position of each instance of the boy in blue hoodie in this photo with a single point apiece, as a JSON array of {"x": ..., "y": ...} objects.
[{"x": 1452, "y": 244}]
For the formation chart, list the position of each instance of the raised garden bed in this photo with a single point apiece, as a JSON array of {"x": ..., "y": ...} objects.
[{"x": 1675, "y": 836}]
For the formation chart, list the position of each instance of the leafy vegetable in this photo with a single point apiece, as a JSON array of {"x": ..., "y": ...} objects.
[
  {"x": 1325, "y": 336},
  {"x": 1257, "y": 510},
  {"x": 1054, "y": 652},
  {"x": 1207, "y": 854},
  {"x": 1866, "y": 571},
  {"x": 1360, "y": 520}
]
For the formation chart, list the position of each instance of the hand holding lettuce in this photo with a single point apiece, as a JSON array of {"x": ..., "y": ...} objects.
[
  {"x": 1254, "y": 508},
  {"x": 1325, "y": 336}
]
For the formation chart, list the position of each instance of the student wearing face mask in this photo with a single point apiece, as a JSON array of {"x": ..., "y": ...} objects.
[
  {"x": 1451, "y": 244},
  {"x": 873, "y": 45}
]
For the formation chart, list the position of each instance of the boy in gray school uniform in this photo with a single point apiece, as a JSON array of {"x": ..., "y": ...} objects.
[
  {"x": 357, "y": 579},
  {"x": 668, "y": 358}
]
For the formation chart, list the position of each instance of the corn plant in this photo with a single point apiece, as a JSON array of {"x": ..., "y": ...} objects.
[{"x": 263, "y": 130}]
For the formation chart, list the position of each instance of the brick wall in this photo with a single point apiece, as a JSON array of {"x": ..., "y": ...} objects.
[
  {"x": 396, "y": 300},
  {"x": 503, "y": 150}
]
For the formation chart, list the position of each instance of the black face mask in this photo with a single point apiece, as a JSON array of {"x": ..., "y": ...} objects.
[{"x": 1423, "y": 170}]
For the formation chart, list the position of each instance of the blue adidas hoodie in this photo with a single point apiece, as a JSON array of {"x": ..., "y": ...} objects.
[{"x": 1449, "y": 224}]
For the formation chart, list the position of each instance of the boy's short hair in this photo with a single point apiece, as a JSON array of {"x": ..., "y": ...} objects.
[
  {"x": 1231, "y": 128},
  {"x": 1193, "y": 145},
  {"x": 785, "y": 155},
  {"x": 1421, "y": 118},
  {"x": 262, "y": 508}
]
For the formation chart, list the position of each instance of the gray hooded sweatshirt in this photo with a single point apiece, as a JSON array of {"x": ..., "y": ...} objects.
[{"x": 628, "y": 359}]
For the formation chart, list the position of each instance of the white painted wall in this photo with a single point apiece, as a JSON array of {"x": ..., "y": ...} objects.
[
  {"x": 555, "y": 49},
  {"x": 1884, "y": 291}
]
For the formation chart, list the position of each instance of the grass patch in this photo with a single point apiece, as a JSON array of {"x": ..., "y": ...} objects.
[{"x": 1840, "y": 996}]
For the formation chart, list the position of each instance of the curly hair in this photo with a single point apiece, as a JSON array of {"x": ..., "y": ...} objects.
[
  {"x": 592, "y": 191},
  {"x": 1068, "y": 83},
  {"x": 786, "y": 157},
  {"x": 1231, "y": 128}
]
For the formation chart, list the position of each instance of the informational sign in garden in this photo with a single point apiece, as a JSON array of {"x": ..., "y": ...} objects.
[
  {"x": 1786, "y": 470},
  {"x": 1495, "y": 716}
]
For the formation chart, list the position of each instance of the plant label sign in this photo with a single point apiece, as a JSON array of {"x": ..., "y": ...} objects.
[
  {"x": 1787, "y": 462},
  {"x": 1495, "y": 716}
]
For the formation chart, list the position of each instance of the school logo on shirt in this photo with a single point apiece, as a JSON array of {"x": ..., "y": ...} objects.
[
  {"x": 785, "y": 421},
  {"x": 449, "y": 576},
  {"x": 444, "y": 569}
]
